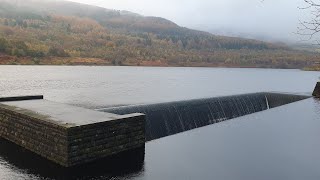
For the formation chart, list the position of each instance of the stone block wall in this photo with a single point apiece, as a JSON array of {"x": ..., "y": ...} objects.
[
  {"x": 96, "y": 141},
  {"x": 43, "y": 138},
  {"x": 74, "y": 145}
]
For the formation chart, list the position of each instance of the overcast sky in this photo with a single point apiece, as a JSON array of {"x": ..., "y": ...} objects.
[{"x": 277, "y": 19}]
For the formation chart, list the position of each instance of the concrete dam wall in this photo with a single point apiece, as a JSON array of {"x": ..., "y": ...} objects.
[
  {"x": 166, "y": 119},
  {"x": 72, "y": 136}
]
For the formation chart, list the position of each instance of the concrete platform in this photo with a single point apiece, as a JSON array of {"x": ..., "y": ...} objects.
[
  {"x": 63, "y": 114},
  {"x": 69, "y": 135}
]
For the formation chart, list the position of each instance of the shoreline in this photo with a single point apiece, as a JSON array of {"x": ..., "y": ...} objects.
[{"x": 78, "y": 61}]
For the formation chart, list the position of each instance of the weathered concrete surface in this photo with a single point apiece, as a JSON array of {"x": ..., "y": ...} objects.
[
  {"x": 69, "y": 135},
  {"x": 316, "y": 91}
]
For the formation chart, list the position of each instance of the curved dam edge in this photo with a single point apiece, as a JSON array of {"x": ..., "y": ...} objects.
[{"x": 165, "y": 119}]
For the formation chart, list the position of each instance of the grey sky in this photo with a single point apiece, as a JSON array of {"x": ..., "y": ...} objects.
[{"x": 277, "y": 19}]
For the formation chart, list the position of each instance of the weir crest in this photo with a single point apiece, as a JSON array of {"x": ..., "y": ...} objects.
[
  {"x": 72, "y": 136},
  {"x": 165, "y": 119}
]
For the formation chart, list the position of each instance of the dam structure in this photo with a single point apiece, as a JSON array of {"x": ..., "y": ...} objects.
[
  {"x": 164, "y": 119},
  {"x": 73, "y": 136},
  {"x": 68, "y": 135}
]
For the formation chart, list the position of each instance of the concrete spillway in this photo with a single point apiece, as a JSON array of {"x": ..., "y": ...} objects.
[
  {"x": 68, "y": 135},
  {"x": 72, "y": 136},
  {"x": 166, "y": 119}
]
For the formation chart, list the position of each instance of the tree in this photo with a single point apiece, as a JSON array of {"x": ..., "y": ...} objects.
[
  {"x": 21, "y": 45},
  {"x": 3, "y": 44},
  {"x": 18, "y": 52},
  {"x": 57, "y": 51},
  {"x": 311, "y": 28}
]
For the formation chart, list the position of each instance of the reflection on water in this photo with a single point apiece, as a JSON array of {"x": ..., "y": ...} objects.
[
  {"x": 268, "y": 147},
  {"x": 16, "y": 162},
  {"x": 100, "y": 87},
  {"x": 278, "y": 144}
]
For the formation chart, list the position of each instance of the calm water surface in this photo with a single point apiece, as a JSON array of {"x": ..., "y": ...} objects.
[
  {"x": 98, "y": 87},
  {"x": 197, "y": 154}
]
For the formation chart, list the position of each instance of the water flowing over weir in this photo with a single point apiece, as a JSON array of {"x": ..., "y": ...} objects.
[{"x": 166, "y": 119}]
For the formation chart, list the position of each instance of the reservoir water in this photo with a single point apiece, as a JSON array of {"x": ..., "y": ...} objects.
[
  {"x": 100, "y": 87},
  {"x": 279, "y": 143}
]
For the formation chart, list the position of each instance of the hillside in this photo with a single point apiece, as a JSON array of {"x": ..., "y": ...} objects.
[{"x": 62, "y": 32}]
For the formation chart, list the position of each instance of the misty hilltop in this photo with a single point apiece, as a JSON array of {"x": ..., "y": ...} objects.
[{"x": 63, "y": 32}]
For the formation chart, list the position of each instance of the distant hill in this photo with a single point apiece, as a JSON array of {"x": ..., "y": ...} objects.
[{"x": 62, "y": 32}]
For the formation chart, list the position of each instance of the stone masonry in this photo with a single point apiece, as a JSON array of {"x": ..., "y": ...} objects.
[{"x": 69, "y": 135}]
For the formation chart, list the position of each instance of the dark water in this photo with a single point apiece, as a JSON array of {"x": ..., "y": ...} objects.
[
  {"x": 280, "y": 143},
  {"x": 165, "y": 119}
]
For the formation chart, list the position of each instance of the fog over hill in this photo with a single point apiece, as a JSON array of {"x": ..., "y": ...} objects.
[
  {"x": 259, "y": 19},
  {"x": 65, "y": 32}
]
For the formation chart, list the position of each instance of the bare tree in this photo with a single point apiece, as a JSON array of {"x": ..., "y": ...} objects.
[{"x": 311, "y": 27}]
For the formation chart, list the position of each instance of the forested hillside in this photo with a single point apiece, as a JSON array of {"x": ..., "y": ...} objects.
[{"x": 61, "y": 32}]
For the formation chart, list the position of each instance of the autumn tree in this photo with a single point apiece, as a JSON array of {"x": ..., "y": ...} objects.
[
  {"x": 3, "y": 44},
  {"x": 57, "y": 51}
]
